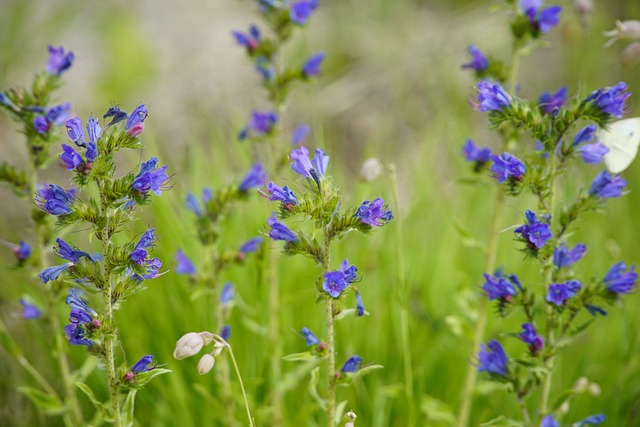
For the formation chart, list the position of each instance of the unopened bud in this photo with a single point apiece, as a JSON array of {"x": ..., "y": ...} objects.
[
  {"x": 564, "y": 408},
  {"x": 191, "y": 344},
  {"x": 631, "y": 54},
  {"x": 351, "y": 415},
  {"x": 206, "y": 364},
  {"x": 583, "y": 7},
  {"x": 581, "y": 385},
  {"x": 136, "y": 129},
  {"x": 217, "y": 349},
  {"x": 625, "y": 30},
  {"x": 371, "y": 169},
  {"x": 594, "y": 389}
]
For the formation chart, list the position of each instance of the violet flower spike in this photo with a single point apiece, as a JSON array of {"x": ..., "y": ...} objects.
[{"x": 150, "y": 178}]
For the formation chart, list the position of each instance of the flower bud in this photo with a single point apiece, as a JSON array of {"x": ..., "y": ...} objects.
[
  {"x": 631, "y": 54},
  {"x": 594, "y": 389},
  {"x": 351, "y": 415},
  {"x": 625, "y": 30},
  {"x": 190, "y": 344},
  {"x": 136, "y": 129},
  {"x": 371, "y": 169},
  {"x": 581, "y": 385},
  {"x": 206, "y": 364},
  {"x": 564, "y": 408}
]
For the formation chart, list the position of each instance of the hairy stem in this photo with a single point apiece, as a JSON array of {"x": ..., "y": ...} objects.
[{"x": 331, "y": 362}]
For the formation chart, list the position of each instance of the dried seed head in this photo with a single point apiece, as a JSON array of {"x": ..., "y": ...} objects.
[
  {"x": 206, "y": 364},
  {"x": 371, "y": 169}
]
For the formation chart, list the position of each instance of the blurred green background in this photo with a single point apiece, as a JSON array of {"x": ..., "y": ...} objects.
[{"x": 392, "y": 88}]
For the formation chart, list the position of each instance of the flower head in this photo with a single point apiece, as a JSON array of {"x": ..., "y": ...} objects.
[
  {"x": 256, "y": 177},
  {"x": 585, "y": 134},
  {"x": 139, "y": 253},
  {"x": 250, "y": 40},
  {"x": 137, "y": 116},
  {"x": 500, "y": 286},
  {"x": 190, "y": 344},
  {"x": 309, "y": 337},
  {"x": 261, "y": 123},
  {"x": 311, "y": 67},
  {"x": 335, "y": 282},
  {"x": 531, "y": 337},
  {"x": 302, "y": 10},
  {"x": 610, "y": 100},
  {"x": 59, "y": 61},
  {"x": 551, "y": 103},
  {"x": 29, "y": 311},
  {"x": 183, "y": 264},
  {"x": 593, "y": 153},
  {"x": 52, "y": 273},
  {"x": 116, "y": 114},
  {"x": 143, "y": 365},
  {"x": 150, "y": 178},
  {"x": 280, "y": 194},
  {"x": 620, "y": 281},
  {"x": 352, "y": 364},
  {"x": 507, "y": 166},
  {"x": 479, "y": 61},
  {"x": 559, "y": 293},
  {"x": 54, "y": 199},
  {"x": 606, "y": 186},
  {"x": 541, "y": 19},
  {"x": 80, "y": 317},
  {"x": 359, "y": 305},
  {"x": 535, "y": 232},
  {"x": 492, "y": 358},
  {"x": 375, "y": 213},
  {"x": 22, "y": 251},
  {"x": 302, "y": 165},
  {"x": 491, "y": 97},
  {"x": 473, "y": 153},
  {"x": 65, "y": 251},
  {"x": 279, "y": 231},
  {"x": 564, "y": 257}
]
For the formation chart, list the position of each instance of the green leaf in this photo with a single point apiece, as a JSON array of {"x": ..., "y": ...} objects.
[
  {"x": 145, "y": 377},
  {"x": 348, "y": 313},
  {"x": 49, "y": 404},
  {"x": 366, "y": 370},
  {"x": 340, "y": 411},
  {"x": 313, "y": 388},
  {"x": 129, "y": 406},
  {"x": 503, "y": 421},
  {"x": 297, "y": 357},
  {"x": 293, "y": 378},
  {"x": 87, "y": 390},
  {"x": 436, "y": 410}
]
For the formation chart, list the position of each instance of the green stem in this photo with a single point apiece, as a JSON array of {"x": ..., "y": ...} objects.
[
  {"x": 331, "y": 363},
  {"x": 244, "y": 393},
  {"x": 524, "y": 410},
  {"x": 224, "y": 368},
  {"x": 404, "y": 301},
  {"x": 274, "y": 336}
]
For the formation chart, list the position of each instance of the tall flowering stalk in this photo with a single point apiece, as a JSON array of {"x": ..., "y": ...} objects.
[
  {"x": 320, "y": 206},
  {"x": 40, "y": 121},
  {"x": 120, "y": 269},
  {"x": 553, "y": 309}
]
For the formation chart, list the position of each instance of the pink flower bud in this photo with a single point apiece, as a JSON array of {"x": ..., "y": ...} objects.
[{"x": 136, "y": 129}]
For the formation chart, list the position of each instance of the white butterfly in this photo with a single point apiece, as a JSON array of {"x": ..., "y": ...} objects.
[{"x": 622, "y": 138}]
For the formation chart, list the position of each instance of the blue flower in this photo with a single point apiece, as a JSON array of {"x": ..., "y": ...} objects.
[
  {"x": 140, "y": 254},
  {"x": 559, "y": 293},
  {"x": 59, "y": 61},
  {"x": 500, "y": 286},
  {"x": 93, "y": 130},
  {"x": 65, "y": 251},
  {"x": 549, "y": 421},
  {"x": 279, "y": 231},
  {"x": 58, "y": 115},
  {"x": 593, "y": 420},
  {"x": 81, "y": 315},
  {"x": 594, "y": 310},
  {"x": 359, "y": 305},
  {"x": 593, "y": 153},
  {"x": 542, "y": 19},
  {"x": 192, "y": 204},
  {"x": 491, "y": 97},
  {"x": 302, "y": 10},
  {"x": 620, "y": 282},
  {"x": 302, "y": 165},
  {"x": 564, "y": 257},
  {"x": 606, "y": 186},
  {"x": 479, "y": 61},
  {"x": 76, "y": 302},
  {"x": 250, "y": 40},
  {"x": 77, "y": 335},
  {"x": 251, "y": 245},
  {"x": 507, "y": 166},
  {"x": 227, "y": 293},
  {"x": 335, "y": 282},
  {"x": 116, "y": 114},
  {"x": 531, "y": 337},
  {"x": 472, "y": 153},
  {"x": 309, "y": 337},
  {"x": 352, "y": 364},
  {"x": 534, "y": 231},
  {"x": 375, "y": 213},
  {"x": 143, "y": 365},
  {"x": 22, "y": 251},
  {"x": 311, "y": 67},
  {"x": 29, "y": 311},
  {"x": 256, "y": 177},
  {"x": 261, "y": 123},
  {"x": 584, "y": 135},
  {"x": 54, "y": 199},
  {"x": 225, "y": 332},
  {"x": 41, "y": 125},
  {"x": 492, "y": 358},
  {"x": 610, "y": 100},
  {"x": 150, "y": 178},
  {"x": 278, "y": 194},
  {"x": 184, "y": 264},
  {"x": 71, "y": 159},
  {"x": 137, "y": 116},
  {"x": 300, "y": 134},
  {"x": 551, "y": 103}
]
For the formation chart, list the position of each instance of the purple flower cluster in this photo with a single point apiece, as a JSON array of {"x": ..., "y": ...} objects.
[
  {"x": 492, "y": 359},
  {"x": 620, "y": 281},
  {"x": 551, "y": 103},
  {"x": 491, "y": 97},
  {"x": 302, "y": 165},
  {"x": 250, "y": 40},
  {"x": 140, "y": 255},
  {"x": 610, "y": 100},
  {"x": 507, "y": 167},
  {"x": 559, "y": 293},
  {"x": 606, "y": 186},
  {"x": 531, "y": 337},
  {"x": 335, "y": 282},
  {"x": 135, "y": 122},
  {"x": 54, "y": 117},
  {"x": 151, "y": 178},
  {"x": 473, "y": 153},
  {"x": 54, "y": 199},
  {"x": 542, "y": 19},
  {"x": 302, "y": 10},
  {"x": 534, "y": 231},
  {"x": 564, "y": 257},
  {"x": 280, "y": 194},
  {"x": 279, "y": 231},
  {"x": 82, "y": 317},
  {"x": 479, "y": 61},
  {"x": 66, "y": 252},
  {"x": 501, "y": 286},
  {"x": 59, "y": 61}
]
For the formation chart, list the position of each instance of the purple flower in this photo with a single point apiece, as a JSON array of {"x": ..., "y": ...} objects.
[
  {"x": 143, "y": 365},
  {"x": 77, "y": 335},
  {"x": 564, "y": 257},
  {"x": 302, "y": 10},
  {"x": 183, "y": 264},
  {"x": 250, "y": 40},
  {"x": 71, "y": 159},
  {"x": 500, "y": 286},
  {"x": 75, "y": 131},
  {"x": 277, "y": 194},
  {"x": 311, "y": 67},
  {"x": 279, "y": 231},
  {"x": 549, "y": 421},
  {"x": 610, "y": 100},
  {"x": 375, "y": 213},
  {"x": 29, "y": 311},
  {"x": 507, "y": 166},
  {"x": 65, "y": 251},
  {"x": 542, "y": 19},
  {"x": 491, "y": 97},
  {"x": 593, "y": 153},
  {"x": 76, "y": 302},
  {"x": 52, "y": 273},
  {"x": 256, "y": 177},
  {"x": 41, "y": 125},
  {"x": 594, "y": 310},
  {"x": 335, "y": 282},
  {"x": 137, "y": 116},
  {"x": 54, "y": 199},
  {"x": 251, "y": 245},
  {"x": 22, "y": 251},
  {"x": 150, "y": 178},
  {"x": 584, "y": 135},
  {"x": 352, "y": 364},
  {"x": 58, "y": 115},
  {"x": 266, "y": 68},
  {"x": 302, "y": 165},
  {"x": 261, "y": 123},
  {"x": 551, "y": 103},
  {"x": 534, "y": 231},
  {"x": 116, "y": 114},
  {"x": 140, "y": 254},
  {"x": 94, "y": 130},
  {"x": 227, "y": 293},
  {"x": 472, "y": 153},
  {"x": 620, "y": 282},
  {"x": 59, "y": 61},
  {"x": 531, "y": 337},
  {"x": 193, "y": 204},
  {"x": 593, "y": 420},
  {"x": 309, "y": 337},
  {"x": 492, "y": 358},
  {"x": 606, "y": 186},
  {"x": 478, "y": 62},
  {"x": 225, "y": 332},
  {"x": 81, "y": 315},
  {"x": 359, "y": 305},
  {"x": 559, "y": 293},
  {"x": 300, "y": 134}
]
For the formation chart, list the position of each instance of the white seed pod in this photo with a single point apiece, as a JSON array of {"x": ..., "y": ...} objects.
[
  {"x": 206, "y": 364},
  {"x": 625, "y": 30},
  {"x": 188, "y": 345},
  {"x": 594, "y": 389},
  {"x": 631, "y": 54},
  {"x": 564, "y": 408},
  {"x": 581, "y": 385},
  {"x": 217, "y": 349},
  {"x": 371, "y": 169}
]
